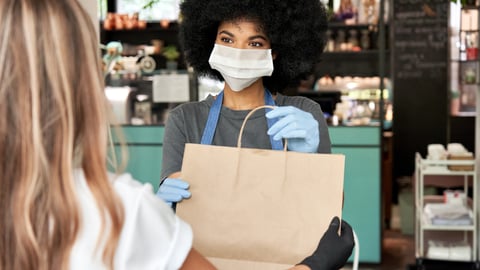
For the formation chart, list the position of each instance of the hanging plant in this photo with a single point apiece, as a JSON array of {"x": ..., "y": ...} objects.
[
  {"x": 150, "y": 4},
  {"x": 464, "y": 2}
]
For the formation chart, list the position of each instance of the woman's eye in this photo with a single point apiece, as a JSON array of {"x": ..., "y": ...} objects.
[
  {"x": 256, "y": 44},
  {"x": 226, "y": 40}
]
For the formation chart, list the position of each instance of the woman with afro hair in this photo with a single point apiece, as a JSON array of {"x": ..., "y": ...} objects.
[{"x": 258, "y": 48}]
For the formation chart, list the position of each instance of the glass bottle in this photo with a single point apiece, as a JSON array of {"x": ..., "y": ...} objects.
[
  {"x": 365, "y": 40},
  {"x": 340, "y": 44},
  {"x": 330, "y": 42},
  {"x": 352, "y": 39},
  {"x": 471, "y": 45}
]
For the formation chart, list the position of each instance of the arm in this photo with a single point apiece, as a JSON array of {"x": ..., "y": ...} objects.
[
  {"x": 172, "y": 189},
  {"x": 175, "y": 175},
  {"x": 174, "y": 140},
  {"x": 300, "y": 267},
  {"x": 196, "y": 261}
]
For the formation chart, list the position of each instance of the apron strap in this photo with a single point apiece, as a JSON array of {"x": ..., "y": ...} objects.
[{"x": 214, "y": 114}]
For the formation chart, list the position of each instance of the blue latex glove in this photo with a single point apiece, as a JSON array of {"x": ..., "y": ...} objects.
[
  {"x": 173, "y": 190},
  {"x": 299, "y": 127}
]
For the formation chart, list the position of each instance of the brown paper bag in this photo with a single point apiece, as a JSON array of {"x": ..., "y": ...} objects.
[{"x": 259, "y": 207}]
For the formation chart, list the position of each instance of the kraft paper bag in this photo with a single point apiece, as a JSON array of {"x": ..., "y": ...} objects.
[{"x": 258, "y": 208}]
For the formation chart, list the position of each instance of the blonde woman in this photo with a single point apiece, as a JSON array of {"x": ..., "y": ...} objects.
[{"x": 60, "y": 209}]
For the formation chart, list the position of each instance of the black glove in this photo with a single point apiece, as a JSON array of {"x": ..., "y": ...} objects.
[{"x": 333, "y": 250}]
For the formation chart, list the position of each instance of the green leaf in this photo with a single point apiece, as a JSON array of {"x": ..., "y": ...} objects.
[{"x": 150, "y": 4}]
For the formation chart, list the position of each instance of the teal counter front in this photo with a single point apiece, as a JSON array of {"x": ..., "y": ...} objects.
[
  {"x": 360, "y": 145},
  {"x": 144, "y": 149},
  {"x": 362, "y": 199}
]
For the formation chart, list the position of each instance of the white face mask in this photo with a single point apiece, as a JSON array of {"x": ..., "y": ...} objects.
[{"x": 241, "y": 67}]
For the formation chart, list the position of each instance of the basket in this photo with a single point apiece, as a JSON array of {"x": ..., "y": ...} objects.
[{"x": 460, "y": 167}]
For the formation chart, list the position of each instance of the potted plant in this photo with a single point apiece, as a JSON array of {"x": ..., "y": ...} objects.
[
  {"x": 171, "y": 53},
  {"x": 454, "y": 102}
]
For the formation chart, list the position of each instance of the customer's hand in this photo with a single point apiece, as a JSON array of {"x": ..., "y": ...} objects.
[
  {"x": 299, "y": 127},
  {"x": 173, "y": 190},
  {"x": 333, "y": 250}
]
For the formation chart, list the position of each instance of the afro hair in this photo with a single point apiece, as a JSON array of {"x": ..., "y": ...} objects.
[{"x": 296, "y": 29}]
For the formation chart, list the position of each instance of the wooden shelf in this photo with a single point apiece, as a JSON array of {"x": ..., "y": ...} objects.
[
  {"x": 151, "y": 26},
  {"x": 352, "y": 55},
  {"x": 339, "y": 25}
]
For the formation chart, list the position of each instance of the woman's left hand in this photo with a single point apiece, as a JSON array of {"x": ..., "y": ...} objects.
[{"x": 297, "y": 126}]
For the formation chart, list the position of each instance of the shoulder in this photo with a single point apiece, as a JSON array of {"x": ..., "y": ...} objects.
[
  {"x": 150, "y": 225},
  {"x": 126, "y": 186},
  {"x": 135, "y": 195}
]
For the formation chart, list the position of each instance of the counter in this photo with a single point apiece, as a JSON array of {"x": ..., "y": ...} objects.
[
  {"x": 360, "y": 145},
  {"x": 144, "y": 145},
  {"x": 362, "y": 198}
]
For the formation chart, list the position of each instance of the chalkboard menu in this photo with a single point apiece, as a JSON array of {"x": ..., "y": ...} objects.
[
  {"x": 420, "y": 38},
  {"x": 419, "y": 67}
]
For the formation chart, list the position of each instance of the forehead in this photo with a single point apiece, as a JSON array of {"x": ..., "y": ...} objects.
[{"x": 242, "y": 25}]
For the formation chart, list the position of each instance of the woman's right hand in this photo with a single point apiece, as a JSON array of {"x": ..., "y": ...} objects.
[{"x": 173, "y": 190}]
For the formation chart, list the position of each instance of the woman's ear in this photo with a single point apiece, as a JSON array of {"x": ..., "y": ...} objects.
[{"x": 274, "y": 55}]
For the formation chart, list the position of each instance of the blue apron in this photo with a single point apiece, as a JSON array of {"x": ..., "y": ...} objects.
[{"x": 214, "y": 114}]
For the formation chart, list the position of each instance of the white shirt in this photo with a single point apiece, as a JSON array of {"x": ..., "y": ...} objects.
[{"x": 153, "y": 237}]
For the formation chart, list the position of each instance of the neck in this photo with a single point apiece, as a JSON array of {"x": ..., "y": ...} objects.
[{"x": 247, "y": 99}]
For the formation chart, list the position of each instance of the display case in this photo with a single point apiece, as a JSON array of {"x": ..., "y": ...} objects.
[{"x": 354, "y": 101}]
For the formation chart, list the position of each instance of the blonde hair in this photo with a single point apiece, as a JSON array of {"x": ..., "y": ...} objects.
[{"x": 53, "y": 112}]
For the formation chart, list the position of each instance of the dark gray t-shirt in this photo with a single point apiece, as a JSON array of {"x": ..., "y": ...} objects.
[{"x": 186, "y": 122}]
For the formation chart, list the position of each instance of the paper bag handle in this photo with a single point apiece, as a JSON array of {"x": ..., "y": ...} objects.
[{"x": 239, "y": 142}]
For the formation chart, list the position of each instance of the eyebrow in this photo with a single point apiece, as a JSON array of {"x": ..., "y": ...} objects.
[
  {"x": 225, "y": 32},
  {"x": 258, "y": 36}
]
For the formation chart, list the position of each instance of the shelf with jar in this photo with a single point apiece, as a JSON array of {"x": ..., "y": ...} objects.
[
  {"x": 351, "y": 38},
  {"x": 465, "y": 62},
  {"x": 152, "y": 37},
  {"x": 353, "y": 50},
  {"x": 137, "y": 33}
]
